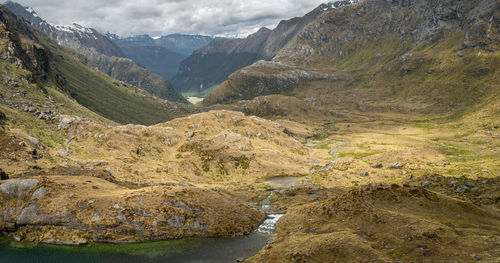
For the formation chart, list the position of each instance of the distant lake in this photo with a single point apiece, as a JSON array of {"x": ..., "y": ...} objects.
[{"x": 194, "y": 100}]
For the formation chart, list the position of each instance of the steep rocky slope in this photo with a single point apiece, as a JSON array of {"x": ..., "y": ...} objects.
[
  {"x": 45, "y": 79},
  {"x": 100, "y": 51},
  {"x": 212, "y": 64},
  {"x": 428, "y": 56}
]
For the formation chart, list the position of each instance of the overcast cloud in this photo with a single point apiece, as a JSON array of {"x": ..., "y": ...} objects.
[{"x": 161, "y": 17}]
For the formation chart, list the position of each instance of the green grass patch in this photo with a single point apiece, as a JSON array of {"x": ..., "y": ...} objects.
[{"x": 359, "y": 155}]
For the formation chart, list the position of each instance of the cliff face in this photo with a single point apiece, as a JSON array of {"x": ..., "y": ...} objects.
[
  {"x": 212, "y": 64},
  {"x": 377, "y": 54}
]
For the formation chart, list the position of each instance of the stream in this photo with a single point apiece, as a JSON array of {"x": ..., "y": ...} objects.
[{"x": 222, "y": 249}]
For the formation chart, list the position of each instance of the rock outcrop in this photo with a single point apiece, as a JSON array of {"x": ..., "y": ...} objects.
[{"x": 48, "y": 210}]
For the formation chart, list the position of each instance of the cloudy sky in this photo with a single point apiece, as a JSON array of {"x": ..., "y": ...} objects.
[{"x": 161, "y": 17}]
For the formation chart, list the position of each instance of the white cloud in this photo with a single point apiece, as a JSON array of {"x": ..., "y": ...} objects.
[{"x": 161, "y": 17}]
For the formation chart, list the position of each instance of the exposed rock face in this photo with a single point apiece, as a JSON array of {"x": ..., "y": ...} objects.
[
  {"x": 176, "y": 221},
  {"x": 212, "y": 64},
  {"x": 39, "y": 193},
  {"x": 142, "y": 214},
  {"x": 404, "y": 41}
]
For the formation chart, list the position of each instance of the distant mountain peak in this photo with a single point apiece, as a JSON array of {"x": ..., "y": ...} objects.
[
  {"x": 180, "y": 43},
  {"x": 27, "y": 12},
  {"x": 75, "y": 28},
  {"x": 340, "y": 3},
  {"x": 73, "y": 33}
]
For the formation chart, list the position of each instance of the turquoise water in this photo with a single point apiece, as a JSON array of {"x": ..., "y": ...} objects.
[{"x": 181, "y": 250}]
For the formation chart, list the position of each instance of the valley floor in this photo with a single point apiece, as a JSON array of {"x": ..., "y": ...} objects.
[
  {"x": 395, "y": 191},
  {"x": 358, "y": 188}
]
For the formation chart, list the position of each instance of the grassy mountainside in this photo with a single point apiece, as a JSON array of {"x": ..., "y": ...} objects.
[
  {"x": 126, "y": 70},
  {"x": 212, "y": 64},
  {"x": 31, "y": 58},
  {"x": 101, "y": 52},
  {"x": 427, "y": 56}
]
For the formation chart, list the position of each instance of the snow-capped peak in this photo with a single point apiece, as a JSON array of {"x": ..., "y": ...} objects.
[
  {"x": 30, "y": 10},
  {"x": 74, "y": 28},
  {"x": 341, "y": 3}
]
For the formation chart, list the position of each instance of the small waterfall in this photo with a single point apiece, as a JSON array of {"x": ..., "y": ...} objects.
[{"x": 269, "y": 225}]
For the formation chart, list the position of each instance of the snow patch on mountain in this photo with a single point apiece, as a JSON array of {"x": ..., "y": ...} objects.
[{"x": 75, "y": 28}]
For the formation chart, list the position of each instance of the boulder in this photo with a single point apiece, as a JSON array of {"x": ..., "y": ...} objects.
[
  {"x": 64, "y": 123},
  {"x": 3, "y": 175},
  {"x": 33, "y": 141},
  {"x": 19, "y": 188},
  {"x": 39, "y": 193},
  {"x": 36, "y": 154},
  {"x": 197, "y": 226},
  {"x": 176, "y": 221},
  {"x": 29, "y": 215},
  {"x": 3, "y": 118},
  {"x": 397, "y": 165}
]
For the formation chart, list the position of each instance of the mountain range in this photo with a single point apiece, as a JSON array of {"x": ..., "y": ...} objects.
[
  {"x": 179, "y": 43},
  {"x": 429, "y": 56},
  {"x": 99, "y": 51},
  {"x": 366, "y": 131},
  {"x": 162, "y": 55},
  {"x": 54, "y": 80},
  {"x": 211, "y": 65}
]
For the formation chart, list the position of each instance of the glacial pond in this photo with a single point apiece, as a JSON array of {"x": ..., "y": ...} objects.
[
  {"x": 223, "y": 249},
  {"x": 284, "y": 181},
  {"x": 227, "y": 249},
  {"x": 182, "y": 250}
]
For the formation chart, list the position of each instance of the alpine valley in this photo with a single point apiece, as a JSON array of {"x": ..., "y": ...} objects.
[{"x": 362, "y": 131}]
